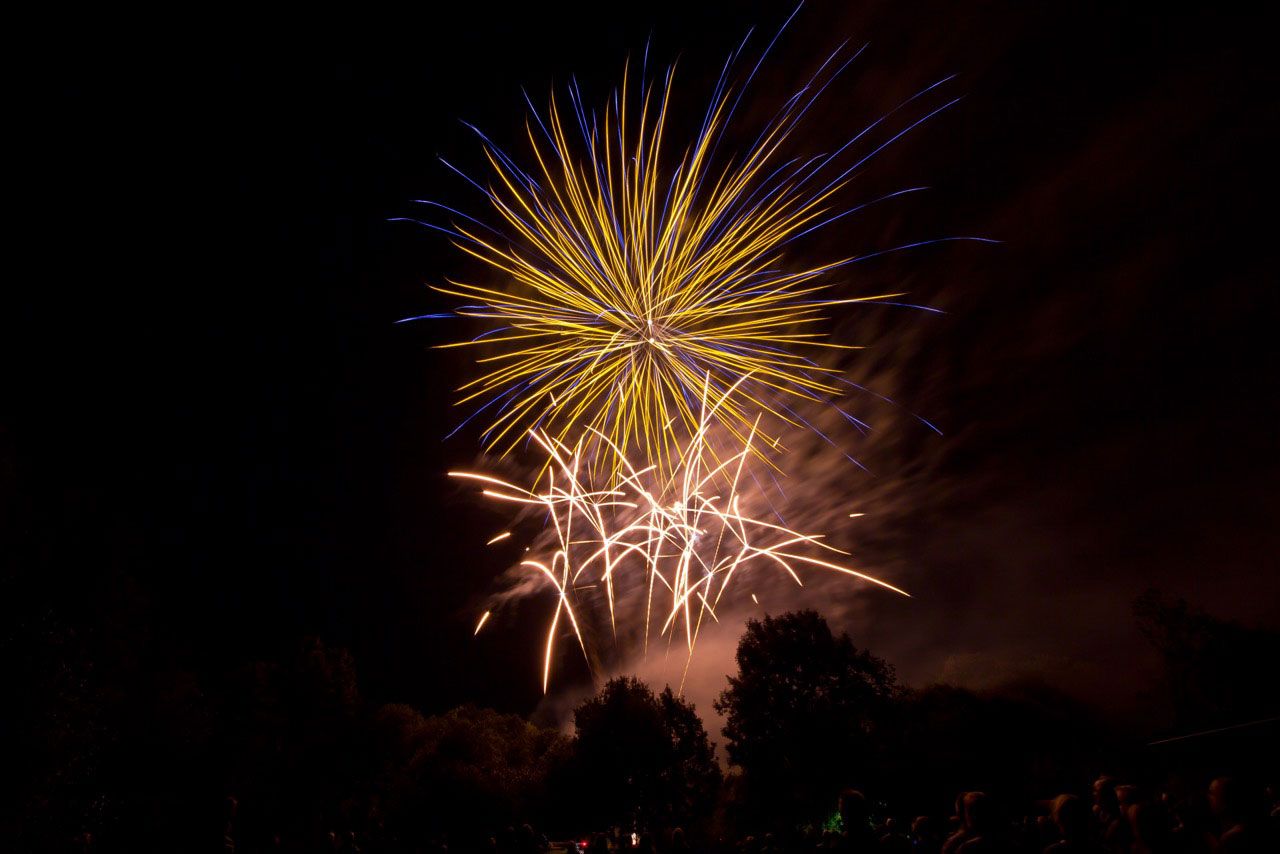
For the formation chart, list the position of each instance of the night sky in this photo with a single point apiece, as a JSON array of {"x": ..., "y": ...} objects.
[{"x": 217, "y": 435}]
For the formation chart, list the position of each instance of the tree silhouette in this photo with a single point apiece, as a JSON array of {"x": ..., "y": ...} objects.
[
  {"x": 643, "y": 757},
  {"x": 293, "y": 740},
  {"x": 1211, "y": 666},
  {"x": 801, "y": 715},
  {"x": 465, "y": 772}
]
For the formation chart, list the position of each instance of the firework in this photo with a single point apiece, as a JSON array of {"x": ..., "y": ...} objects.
[
  {"x": 636, "y": 268},
  {"x": 676, "y": 542}
]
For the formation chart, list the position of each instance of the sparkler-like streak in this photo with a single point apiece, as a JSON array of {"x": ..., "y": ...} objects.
[
  {"x": 636, "y": 269},
  {"x": 680, "y": 538}
]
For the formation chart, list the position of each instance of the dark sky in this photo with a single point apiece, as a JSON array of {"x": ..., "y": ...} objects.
[{"x": 215, "y": 432}]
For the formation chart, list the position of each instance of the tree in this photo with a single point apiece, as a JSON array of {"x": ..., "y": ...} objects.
[
  {"x": 293, "y": 741},
  {"x": 467, "y": 772},
  {"x": 643, "y": 757},
  {"x": 694, "y": 773},
  {"x": 1214, "y": 669},
  {"x": 802, "y": 715}
]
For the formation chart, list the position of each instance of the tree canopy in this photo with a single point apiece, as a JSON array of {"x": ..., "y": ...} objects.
[
  {"x": 1210, "y": 664},
  {"x": 802, "y": 713},
  {"x": 643, "y": 757}
]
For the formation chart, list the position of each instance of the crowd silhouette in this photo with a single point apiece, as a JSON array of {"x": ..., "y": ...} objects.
[{"x": 1228, "y": 816}]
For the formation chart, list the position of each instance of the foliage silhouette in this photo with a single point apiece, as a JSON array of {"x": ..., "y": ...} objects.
[
  {"x": 803, "y": 715},
  {"x": 643, "y": 758},
  {"x": 1210, "y": 665}
]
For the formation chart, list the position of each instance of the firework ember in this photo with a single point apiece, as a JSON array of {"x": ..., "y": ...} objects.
[{"x": 673, "y": 543}]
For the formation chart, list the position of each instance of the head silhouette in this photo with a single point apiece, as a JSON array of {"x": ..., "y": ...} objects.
[
  {"x": 1071, "y": 817},
  {"x": 978, "y": 813},
  {"x": 853, "y": 809},
  {"x": 1104, "y": 795}
]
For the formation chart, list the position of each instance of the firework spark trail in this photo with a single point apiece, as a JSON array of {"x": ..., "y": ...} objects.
[
  {"x": 631, "y": 282},
  {"x": 682, "y": 538}
]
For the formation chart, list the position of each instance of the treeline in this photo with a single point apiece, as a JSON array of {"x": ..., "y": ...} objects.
[{"x": 284, "y": 753}]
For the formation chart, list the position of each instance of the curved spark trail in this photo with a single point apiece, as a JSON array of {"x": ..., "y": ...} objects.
[{"x": 681, "y": 540}]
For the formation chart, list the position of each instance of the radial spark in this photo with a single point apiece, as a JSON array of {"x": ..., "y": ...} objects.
[{"x": 634, "y": 268}]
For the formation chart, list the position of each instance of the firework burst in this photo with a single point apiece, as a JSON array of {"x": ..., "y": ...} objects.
[
  {"x": 657, "y": 552},
  {"x": 635, "y": 269}
]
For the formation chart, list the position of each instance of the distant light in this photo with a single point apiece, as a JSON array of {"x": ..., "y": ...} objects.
[
  {"x": 856, "y": 515},
  {"x": 754, "y": 599},
  {"x": 501, "y": 536},
  {"x": 484, "y": 618}
]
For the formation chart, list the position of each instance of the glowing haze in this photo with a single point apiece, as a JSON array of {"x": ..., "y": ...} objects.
[
  {"x": 656, "y": 554},
  {"x": 658, "y": 333}
]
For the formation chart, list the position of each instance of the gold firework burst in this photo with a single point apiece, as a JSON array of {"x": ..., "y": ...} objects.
[{"x": 633, "y": 271}]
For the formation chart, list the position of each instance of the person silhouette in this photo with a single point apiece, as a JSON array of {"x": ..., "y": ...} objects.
[
  {"x": 980, "y": 826},
  {"x": 855, "y": 814},
  {"x": 1239, "y": 819},
  {"x": 1071, "y": 820}
]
